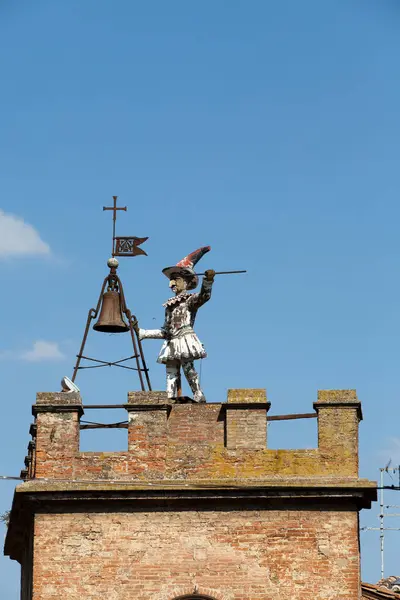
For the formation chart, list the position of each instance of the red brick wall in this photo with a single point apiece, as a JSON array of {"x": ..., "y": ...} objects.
[{"x": 234, "y": 555}]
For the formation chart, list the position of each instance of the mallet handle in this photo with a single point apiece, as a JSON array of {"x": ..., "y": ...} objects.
[{"x": 222, "y": 273}]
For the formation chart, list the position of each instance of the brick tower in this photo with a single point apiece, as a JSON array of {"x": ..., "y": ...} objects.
[{"x": 196, "y": 507}]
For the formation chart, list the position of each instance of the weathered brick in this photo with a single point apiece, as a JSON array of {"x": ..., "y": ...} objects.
[
  {"x": 244, "y": 554},
  {"x": 196, "y": 505}
]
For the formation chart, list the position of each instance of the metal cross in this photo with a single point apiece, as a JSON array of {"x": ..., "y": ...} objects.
[{"x": 114, "y": 209}]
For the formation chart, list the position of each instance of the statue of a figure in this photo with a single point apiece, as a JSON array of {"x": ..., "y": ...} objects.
[{"x": 182, "y": 346}]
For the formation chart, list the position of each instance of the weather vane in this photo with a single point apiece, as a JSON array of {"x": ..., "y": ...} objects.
[{"x": 124, "y": 246}]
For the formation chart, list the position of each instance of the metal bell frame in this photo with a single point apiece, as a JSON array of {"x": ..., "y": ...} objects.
[{"x": 114, "y": 285}]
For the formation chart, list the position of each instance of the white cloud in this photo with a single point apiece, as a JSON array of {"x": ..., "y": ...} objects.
[
  {"x": 18, "y": 238},
  {"x": 41, "y": 351}
]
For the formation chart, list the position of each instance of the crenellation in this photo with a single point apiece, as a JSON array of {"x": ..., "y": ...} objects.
[
  {"x": 196, "y": 441},
  {"x": 246, "y": 419},
  {"x": 57, "y": 433},
  {"x": 339, "y": 413},
  {"x": 199, "y": 485}
]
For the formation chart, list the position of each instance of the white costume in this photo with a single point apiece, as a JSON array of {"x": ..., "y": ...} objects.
[{"x": 181, "y": 342}]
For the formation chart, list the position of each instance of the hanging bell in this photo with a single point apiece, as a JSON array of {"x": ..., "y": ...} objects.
[{"x": 111, "y": 319}]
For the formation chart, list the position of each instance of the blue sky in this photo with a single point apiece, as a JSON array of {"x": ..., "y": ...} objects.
[{"x": 268, "y": 130}]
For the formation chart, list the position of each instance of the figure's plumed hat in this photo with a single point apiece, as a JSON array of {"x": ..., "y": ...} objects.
[{"x": 184, "y": 268}]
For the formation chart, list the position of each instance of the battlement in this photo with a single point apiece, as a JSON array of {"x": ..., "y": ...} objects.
[
  {"x": 197, "y": 484},
  {"x": 194, "y": 442}
]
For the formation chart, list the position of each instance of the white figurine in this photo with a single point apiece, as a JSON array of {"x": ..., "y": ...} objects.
[{"x": 182, "y": 346}]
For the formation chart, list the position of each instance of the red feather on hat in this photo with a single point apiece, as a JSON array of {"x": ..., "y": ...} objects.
[{"x": 191, "y": 259}]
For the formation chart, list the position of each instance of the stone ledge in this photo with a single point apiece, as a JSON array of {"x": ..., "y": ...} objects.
[
  {"x": 346, "y": 405},
  {"x": 270, "y": 483},
  {"x": 346, "y": 399},
  {"x": 338, "y": 399},
  {"x": 246, "y": 405},
  {"x": 57, "y": 408},
  {"x": 145, "y": 407},
  {"x": 269, "y": 496}
]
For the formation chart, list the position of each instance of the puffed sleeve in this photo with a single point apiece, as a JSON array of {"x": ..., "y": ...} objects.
[
  {"x": 155, "y": 334},
  {"x": 197, "y": 300},
  {"x": 151, "y": 334}
]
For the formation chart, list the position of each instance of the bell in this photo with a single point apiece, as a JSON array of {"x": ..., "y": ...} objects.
[{"x": 111, "y": 319}]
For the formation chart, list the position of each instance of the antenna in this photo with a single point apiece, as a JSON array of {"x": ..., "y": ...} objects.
[{"x": 384, "y": 471}]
